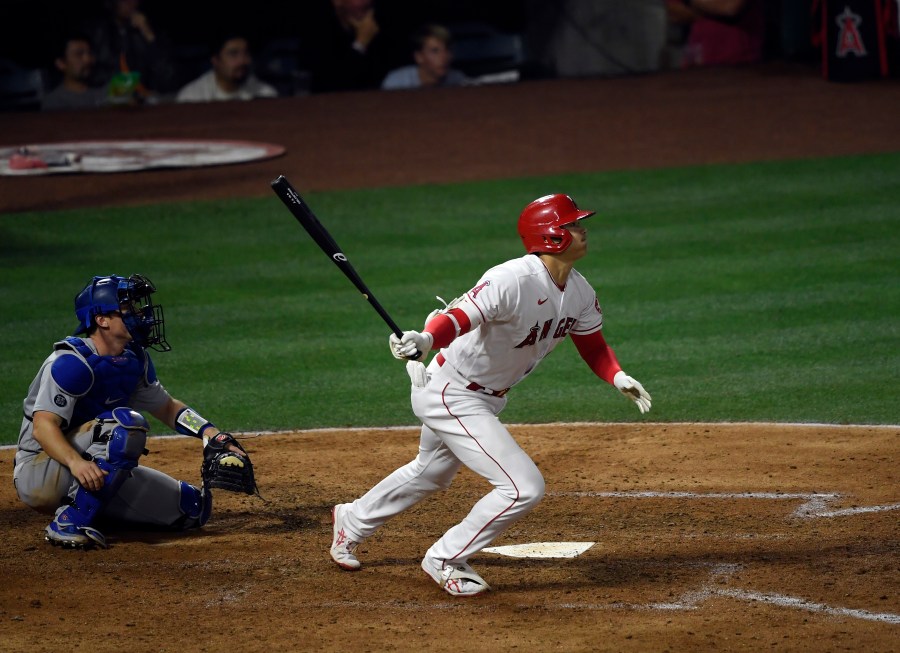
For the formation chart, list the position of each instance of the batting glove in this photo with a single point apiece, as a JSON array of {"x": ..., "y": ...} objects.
[
  {"x": 418, "y": 375},
  {"x": 412, "y": 346},
  {"x": 632, "y": 389}
]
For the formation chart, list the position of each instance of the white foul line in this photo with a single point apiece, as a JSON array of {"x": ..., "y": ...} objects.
[
  {"x": 718, "y": 571},
  {"x": 815, "y": 503},
  {"x": 856, "y": 511},
  {"x": 691, "y": 600},
  {"x": 688, "y": 601},
  {"x": 803, "y": 604}
]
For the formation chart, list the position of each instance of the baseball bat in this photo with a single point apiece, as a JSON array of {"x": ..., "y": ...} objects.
[{"x": 319, "y": 233}]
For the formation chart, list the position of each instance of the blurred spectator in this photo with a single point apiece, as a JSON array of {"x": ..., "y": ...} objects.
[
  {"x": 231, "y": 76},
  {"x": 75, "y": 60},
  {"x": 720, "y": 32},
  {"x": 580, "y": 38},
  {"x": 432, "y": 56},
  {"x": 126, "y": 43},
  {"x": 345, "y": 47}
]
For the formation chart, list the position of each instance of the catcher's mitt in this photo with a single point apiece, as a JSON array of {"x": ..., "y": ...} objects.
[{"x": 226, "y": 469}]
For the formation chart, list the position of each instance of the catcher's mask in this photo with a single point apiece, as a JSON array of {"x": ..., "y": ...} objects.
[
  {"x": 129, "y": 296},
  {"x": 540, "y": 224}
]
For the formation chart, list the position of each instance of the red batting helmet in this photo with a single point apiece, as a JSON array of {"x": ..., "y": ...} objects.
[{"x": 542, "y": 221}]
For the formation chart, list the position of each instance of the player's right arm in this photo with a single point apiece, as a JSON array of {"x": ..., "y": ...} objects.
[
  {"x": 48, "y": 433},
  {"x": 440, "y": 330},
  {"x": 460, "y": 316}
]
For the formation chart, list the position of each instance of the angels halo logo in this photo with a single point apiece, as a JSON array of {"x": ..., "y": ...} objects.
[
  {"x": 477, "y": 289},
  {"x": 128, "y": 156},
  {"x": 849, "y": 40}
]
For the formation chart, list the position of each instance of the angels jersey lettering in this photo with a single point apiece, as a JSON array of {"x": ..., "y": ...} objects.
[{"x": 518, "y": 316}]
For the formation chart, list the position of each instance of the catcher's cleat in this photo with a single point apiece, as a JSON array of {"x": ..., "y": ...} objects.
[
  {"x": 343, "y": 547},
  {"x": 455, "y": 578},
  {"x": 70, "y": 536}
]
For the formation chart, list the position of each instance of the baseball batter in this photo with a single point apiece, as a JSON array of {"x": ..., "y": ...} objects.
[
  {"x": 488, "y": 339},
  {"x": 82, "y": 433}
]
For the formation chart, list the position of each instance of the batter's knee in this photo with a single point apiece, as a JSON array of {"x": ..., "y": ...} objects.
[
  {"x": 437, "y": 471},
  {"x": 531, "y": 490}
]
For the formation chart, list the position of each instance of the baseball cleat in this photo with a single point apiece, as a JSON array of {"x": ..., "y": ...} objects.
[
  {"x": 73, "y": 537},
  {"x": 343, "y": 548},
  {"x": 455, "y": 578}
]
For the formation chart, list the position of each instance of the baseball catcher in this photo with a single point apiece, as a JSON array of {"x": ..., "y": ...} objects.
[{"x": 83, "y": 431}]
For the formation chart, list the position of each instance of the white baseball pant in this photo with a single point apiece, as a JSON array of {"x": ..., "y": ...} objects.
[{"x": 459, "y": 426}]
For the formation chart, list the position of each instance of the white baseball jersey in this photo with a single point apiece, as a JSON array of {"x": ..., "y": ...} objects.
[{"x": 518, "y": 316}]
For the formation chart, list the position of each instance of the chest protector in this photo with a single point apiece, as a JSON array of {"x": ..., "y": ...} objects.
[{"x": 115, "y": 378}]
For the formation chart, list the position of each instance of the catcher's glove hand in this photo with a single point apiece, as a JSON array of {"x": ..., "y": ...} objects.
[{"x": 225, "y": 468}]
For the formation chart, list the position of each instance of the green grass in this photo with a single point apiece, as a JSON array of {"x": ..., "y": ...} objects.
[{"x": 734, "y": 293}]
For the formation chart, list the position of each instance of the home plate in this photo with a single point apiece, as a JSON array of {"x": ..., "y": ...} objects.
[{"x": 542, "y": 549}]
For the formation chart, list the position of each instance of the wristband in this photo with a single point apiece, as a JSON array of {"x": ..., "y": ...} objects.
[{"x": 189, "y": 422}]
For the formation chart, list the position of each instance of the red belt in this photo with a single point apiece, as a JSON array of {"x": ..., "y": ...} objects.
[{"x": 475, "y": 387}]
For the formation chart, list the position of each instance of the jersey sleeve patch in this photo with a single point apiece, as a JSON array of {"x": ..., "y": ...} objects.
[
  {"x": 495, "y": 296},
  {"x": 72, "y": 374}
]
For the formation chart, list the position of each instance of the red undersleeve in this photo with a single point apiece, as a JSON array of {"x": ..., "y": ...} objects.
[
  {"x": 598, "y": 355},
  {"x": 444, "y": 330}
]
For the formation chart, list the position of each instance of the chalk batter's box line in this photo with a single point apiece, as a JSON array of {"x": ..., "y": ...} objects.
[
  {"x": 815, "y": 503},
  {"x": 691, "y": 600}
]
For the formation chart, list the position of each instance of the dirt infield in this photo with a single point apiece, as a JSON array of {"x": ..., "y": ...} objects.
[
  {"x": 740, "y": 537},
  {"x": 737, "y": 538}
]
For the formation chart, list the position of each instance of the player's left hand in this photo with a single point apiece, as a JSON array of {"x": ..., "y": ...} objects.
[
  {"x": 412, "y": 346},
  {"x": 632, "y": 389},
  {"x": 227, "y": 466},
  {"x": 418, "y": 375}
]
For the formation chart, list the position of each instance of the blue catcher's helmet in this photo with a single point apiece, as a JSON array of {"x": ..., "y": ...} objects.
[{"x": 129, "y": 296}]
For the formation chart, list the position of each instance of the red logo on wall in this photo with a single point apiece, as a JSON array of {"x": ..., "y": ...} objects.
[{"x": 849, "y": 40}]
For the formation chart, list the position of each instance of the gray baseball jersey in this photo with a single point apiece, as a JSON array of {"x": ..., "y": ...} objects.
[{"x": 147, "y": 497}]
